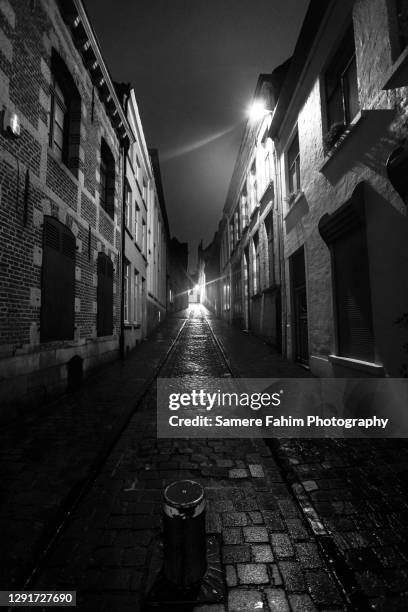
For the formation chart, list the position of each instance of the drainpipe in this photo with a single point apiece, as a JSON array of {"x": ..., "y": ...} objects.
[
  {"x": 281, "y": 253},
  {"x": 125, "y": 149}
]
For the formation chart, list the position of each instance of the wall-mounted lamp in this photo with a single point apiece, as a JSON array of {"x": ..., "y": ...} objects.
[
  {"x": 258, "y": 110},
  {"x": 11, "y": 124}
]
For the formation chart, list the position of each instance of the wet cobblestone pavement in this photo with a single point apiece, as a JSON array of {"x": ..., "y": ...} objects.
[{"x": 287, "y": 517}]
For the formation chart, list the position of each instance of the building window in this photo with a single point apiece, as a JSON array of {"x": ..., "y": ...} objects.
[
  {"x": 231, "y": 234},
  {"x": 136, "y": 223},
  {"x": 58, "y": 123},
  {"x": 104, "y": 296},
  {"x": 402, "y": 20},
  {"x": 252, "y": 186},
  {"x": 144, "y": 237},
  {"x": 57, "y": 282},
  {"x": 268, "y": 173},
  {"x": 293, "y": 157},
  {"x": 128, "y": 206},
  {"x": 342, "y": 103},
  {"x": 270, "y": 274},
  {"x": 256, "y": 267},
  {"x": 144, "y": 191},
  {"x": 126, "y": 293},
  {"x": 345, "y": 233},
  {"x": 236, "y": 226},
  {"x": 107, "y": 179},
  {"x": 137, "y": 298},
  {"x": 244, "y": 208},
  {"x": 65, "y": 103}
]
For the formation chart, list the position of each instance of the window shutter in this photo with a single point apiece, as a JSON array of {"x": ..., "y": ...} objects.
[
  {"x": 355, "y": 328},
  {"x": 58, "y": 282},
  {"x": 344, "y": 232},
  {"x": 104, "y": 320}
]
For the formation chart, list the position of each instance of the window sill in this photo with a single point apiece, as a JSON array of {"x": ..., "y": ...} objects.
[
  {"x": 72, "y": 173},
  {"x": 398, "y": 74},
  {"x": 357, "y": 364},
  {"x": 348, "y": 132},
  {"x": 299, "y": 195},
  {"x": 267, "y": 194},
  {"x": 129, "y": 326}
]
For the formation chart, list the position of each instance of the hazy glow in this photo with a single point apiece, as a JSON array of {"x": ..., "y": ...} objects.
[
  {"x": 257, "y": 110},
  {"x": 197, "y": 145}
]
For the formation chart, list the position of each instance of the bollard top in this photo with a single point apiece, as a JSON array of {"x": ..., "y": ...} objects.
[{"x": 184, "y": 497}]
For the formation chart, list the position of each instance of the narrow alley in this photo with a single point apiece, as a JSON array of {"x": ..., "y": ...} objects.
[{"x": 285, "y": 519}]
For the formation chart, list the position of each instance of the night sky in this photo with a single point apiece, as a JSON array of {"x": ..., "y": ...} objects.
[{"x": 194, "y": 65}]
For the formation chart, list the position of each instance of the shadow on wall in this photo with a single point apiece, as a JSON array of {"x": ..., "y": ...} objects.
[
  {"x": 365, "y": 145},
  {"x": 387, "y": 234},
  {"x": 75, "y": 373}
]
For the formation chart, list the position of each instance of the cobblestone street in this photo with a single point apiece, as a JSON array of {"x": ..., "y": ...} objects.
[{"x": 294, "y": 521}]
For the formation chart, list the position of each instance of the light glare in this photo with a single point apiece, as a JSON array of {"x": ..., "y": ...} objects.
[{"x": 257, "y": 110}]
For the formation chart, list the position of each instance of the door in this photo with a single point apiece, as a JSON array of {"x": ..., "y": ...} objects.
[{"x": 298, "y": 276}]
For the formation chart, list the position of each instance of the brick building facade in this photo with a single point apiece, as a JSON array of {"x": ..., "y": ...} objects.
[
  {"x": 61, "y": 142},
  {"x": 335, "y": 122}
]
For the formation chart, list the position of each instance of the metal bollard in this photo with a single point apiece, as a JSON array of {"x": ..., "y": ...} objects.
[{"x": 184, "y": 541}]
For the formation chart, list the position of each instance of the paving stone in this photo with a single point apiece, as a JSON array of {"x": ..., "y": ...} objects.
[
  {"x": 308, "y": 555},
  {"x": 236, "y": 473},
  {"x": 281, "y": 545},
  {"x": 224, "y": 463},
  {"x": 222, "y": 505},
  {"x": 252, "y": 573},
  {"x": 277, "y": 600},
  {"x": 288, "y": 508},
  {"x": 297, "y": 529},
  {"x": 302, "y": 603},
  {"x": 232, "y": 535},
  {"x": 213, "y": 522},
  {"x": 310, "y": 485},
  {"x": 231, "y": 576},
  {"x": 262, "y": 553},
  {"x": 242, "y": 600},
  {"x": 246, "y": 504},
  {"x": 236, "y": 554},
  {"x": 276, "y": 575},
  {"x": 255, "y": 534},
  {"x": 273, "y": 520},
  {"x": 256, "y": 470},
  {"x": 256, "y": 518},
  {"x": 322, "y": 588},
  {"x": 292, "y": 575},
  {"x": 234, "y": 519}
]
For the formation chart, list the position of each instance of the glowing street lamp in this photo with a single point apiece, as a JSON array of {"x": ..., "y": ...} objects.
[{"x": 258, "y": 110}]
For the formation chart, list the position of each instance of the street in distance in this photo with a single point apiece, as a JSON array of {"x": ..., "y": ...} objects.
[{"x": 274, "y": 421}]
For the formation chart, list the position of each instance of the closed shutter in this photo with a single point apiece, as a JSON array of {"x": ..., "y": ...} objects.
[
  {"x": 104, "y": 320},
  {"x": 58, "y": 282},
  {"x": 353, "y": 298}
]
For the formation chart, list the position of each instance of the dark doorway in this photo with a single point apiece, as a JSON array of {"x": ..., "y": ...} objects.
[
  {"x": 298, "y": 277},
  {"x": 74, "y": 373}
]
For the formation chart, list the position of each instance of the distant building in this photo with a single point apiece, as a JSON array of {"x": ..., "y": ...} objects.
[
  {"x": 158, "y": 234},
  {"x": 178, "y": 280},
  {"x": 61, "y": 142},
  {"x": 209, "y": 275},
  {"x": 139, "y": 180},
  {"x": 250, "y": 230}
]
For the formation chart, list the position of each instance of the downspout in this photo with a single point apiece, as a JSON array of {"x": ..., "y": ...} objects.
[
  {"x": 125, "y": 149},
  {"x": 281, "y": 254}
]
